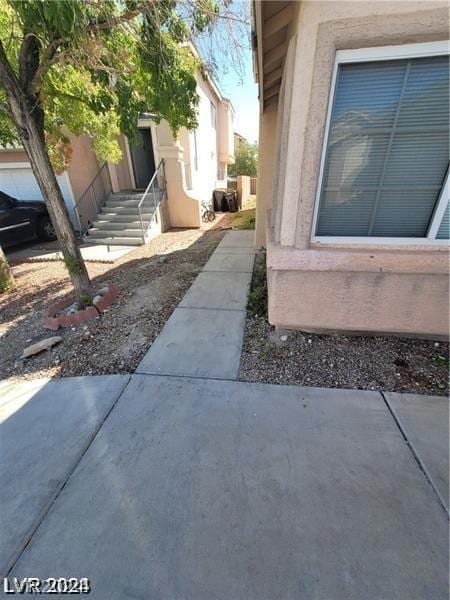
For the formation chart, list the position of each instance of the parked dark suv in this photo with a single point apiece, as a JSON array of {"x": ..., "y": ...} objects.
[{"x": 22, "y": 220}]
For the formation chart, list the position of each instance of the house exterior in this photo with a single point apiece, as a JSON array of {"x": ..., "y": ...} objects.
[
  {"x": 103, "y": 200},
  {"x": 239, "y": 140},
  {"x": 353, "y": 192}
]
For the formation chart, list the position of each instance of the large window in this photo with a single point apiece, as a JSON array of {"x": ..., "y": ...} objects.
[{"x": 385, "y": 168}]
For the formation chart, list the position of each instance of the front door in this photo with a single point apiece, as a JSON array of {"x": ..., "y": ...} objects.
[{"x": 143, "y": 158}]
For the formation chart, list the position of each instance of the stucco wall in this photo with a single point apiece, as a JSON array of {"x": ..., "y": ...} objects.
[
  {"x": 183, "y": 207},
  {"x": 123, "y": 168},
  {"x": 360, "y": 302},
  {"x": 225, "y": 133},
  {"x": 83, "y": 166},
  {"x": 308, "y": 297},
  {"x": 243, "y": 189},
  {"x": 267, "y": 135},
  {"x": 204, "y": 176},
  {"x": 12, "y": 156}
]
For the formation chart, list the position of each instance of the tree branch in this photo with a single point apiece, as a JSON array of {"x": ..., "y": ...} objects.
[
  {"x": 49, "y": 58},
  {"x": 5, "y": 108},
  {"x": 27, "y": 59},
  {"x": 126, "y": 16}
]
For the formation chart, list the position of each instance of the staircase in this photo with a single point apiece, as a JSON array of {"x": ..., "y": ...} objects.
[
  {"x": 128, "y": 218},
  {"x": 118, "y": 223}
]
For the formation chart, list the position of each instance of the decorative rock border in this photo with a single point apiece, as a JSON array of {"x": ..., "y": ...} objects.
[{"x": 106, "y": 297}]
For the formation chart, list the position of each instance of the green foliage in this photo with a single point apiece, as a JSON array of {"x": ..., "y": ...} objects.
[
  {"x": 442, "y": 361},
  {"x": 5, "y": 285},
  {"x": 244, "y": 219},
  {"x": 106, "y": 63},
  {"x": 257, "y": 298},
  {"x": 6, "y": 282},
  {"x": 73, "y": 265},
  {"x": 246, "y": 162},
  {"x": 86, "y": 300}
]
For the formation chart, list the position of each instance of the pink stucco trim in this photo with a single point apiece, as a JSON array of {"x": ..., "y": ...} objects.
[{"x": 372, "y": 260}]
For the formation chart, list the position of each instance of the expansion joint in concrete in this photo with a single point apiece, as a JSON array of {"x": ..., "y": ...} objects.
[{"x": 414, "y": 452}]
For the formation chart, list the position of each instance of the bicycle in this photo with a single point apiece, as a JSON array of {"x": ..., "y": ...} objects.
[{"x": 208, "y": 214}]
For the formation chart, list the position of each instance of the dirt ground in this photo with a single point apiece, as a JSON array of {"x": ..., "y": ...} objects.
[
  {"x": 151, "y": 281},
  {"x": 358, "y": 362}
]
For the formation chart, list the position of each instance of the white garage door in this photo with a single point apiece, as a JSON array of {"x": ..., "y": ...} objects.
[{"x": 19, "y": 182}]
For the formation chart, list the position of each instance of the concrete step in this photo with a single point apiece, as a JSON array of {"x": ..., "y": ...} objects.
[
  {"x": 119, "y": 225},
  {"x": 124, "y": 203},
  {"x": 131, "y": 212},
  {"x": 112, "y": 233},
  {"x": 150, "y": 200},
  {"x": 125, "y": 197},
  {"x": 132, "y": 197},
  {"x": 115, "y": 241},
  {"x": 113, "y": 217},
  {"x": 120, "y": 210}
]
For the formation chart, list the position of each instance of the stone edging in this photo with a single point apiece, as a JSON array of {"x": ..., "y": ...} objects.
[{"x": 51, "y": 321}]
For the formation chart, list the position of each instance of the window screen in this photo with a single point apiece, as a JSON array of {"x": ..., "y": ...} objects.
[
  {"x": 444, "y": 229},
  {"x": 388, "y": 148}
]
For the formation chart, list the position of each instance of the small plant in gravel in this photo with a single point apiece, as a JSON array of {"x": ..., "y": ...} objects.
[
  {"x": 6, "y": 279},
  {"x": 442, "y": 361},
  {"x": 257, "y": 298},
  {"x": 86, "y": 300}
]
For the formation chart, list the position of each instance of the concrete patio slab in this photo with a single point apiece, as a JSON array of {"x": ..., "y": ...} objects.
[
  {"x": 234, "y": 263},
  {"x": 425, "y": 423},
  {"x": 50, "y": 252},
  {"x": 204, "y": 490},
  {"x": 231, "y": 250},
  {"x": 218, "y": 290},
  {"x": 45, "y": 427},
  {"x": 240, "y": 238},
  {"x": 197, "y": 343}
]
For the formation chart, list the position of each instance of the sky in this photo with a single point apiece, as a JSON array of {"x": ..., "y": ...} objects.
[
  {"x": 228, "y": 47},
  {"x": 244, "y": 97}
]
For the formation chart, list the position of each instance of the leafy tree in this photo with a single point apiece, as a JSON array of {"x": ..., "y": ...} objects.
[
  {"x": 6, "y": 278},
  {"x": 92, "y": 66},
  {"x": 246, "y": 162}
]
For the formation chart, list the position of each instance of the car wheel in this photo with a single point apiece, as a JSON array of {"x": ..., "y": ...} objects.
[{"x": 45, "y": 229}]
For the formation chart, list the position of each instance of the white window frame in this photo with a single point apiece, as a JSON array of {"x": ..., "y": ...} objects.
[{"x": 420, "y": 50}]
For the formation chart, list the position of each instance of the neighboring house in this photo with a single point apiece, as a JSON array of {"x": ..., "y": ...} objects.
[
  {"x": 194, "y": 165},
  {"x": 239, "y": 140},
  {"x": 353, "y": 185}
]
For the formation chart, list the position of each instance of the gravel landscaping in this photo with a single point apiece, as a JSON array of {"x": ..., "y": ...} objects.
[
  {"x": 360, "y": 362},
  {"x": 151, "y": 281}
]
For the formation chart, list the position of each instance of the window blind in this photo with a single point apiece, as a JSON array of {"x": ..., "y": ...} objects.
[
  {"x": 444, "y": 229},
  {"x": 388, "y": 148}
]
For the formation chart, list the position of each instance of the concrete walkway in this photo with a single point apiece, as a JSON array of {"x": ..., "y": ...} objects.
[
  {"x": 196, "y": 489},
  {"x": 203, "y": 337},
  {"x": 36, "y": 252},
  {"x": 46, "y": 425},
  {"x": 180, "y": 483}
]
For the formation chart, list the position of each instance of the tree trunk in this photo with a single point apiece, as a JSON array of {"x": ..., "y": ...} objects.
[
  {"x": 43, "y": 171},
  {"x": 6, "y": 278},
  {"x": 28, "y": 118}
]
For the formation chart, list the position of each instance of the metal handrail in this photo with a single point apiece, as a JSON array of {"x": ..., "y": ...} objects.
[
  {"x": 85, "y": 200},
  {"x": 155, "y": 204}
]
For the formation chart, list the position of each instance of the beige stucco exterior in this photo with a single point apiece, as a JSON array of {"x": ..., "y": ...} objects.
[
  {"x": 192, "y": 160},
  {"x": 195, "y": 162},
  {"x": 83, "y": 165},
  {"x": 375, "y": 288}
]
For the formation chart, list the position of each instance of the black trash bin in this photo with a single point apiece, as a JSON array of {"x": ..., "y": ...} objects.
[
  {"x": 218, "y": 200},
  {"x": 232, "y": 201}
]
